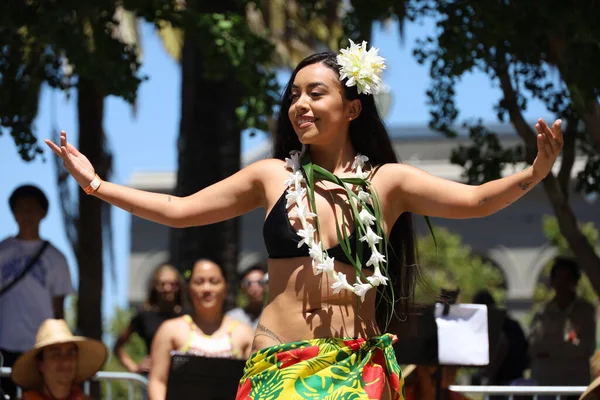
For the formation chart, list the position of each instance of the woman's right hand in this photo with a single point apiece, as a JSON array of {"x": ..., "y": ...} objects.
[{"x": 76, "y": 163}]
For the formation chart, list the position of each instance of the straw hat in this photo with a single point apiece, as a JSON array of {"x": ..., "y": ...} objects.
[
  {"x": 595, "y": 385},
  {"x": 91, "y": 354}
]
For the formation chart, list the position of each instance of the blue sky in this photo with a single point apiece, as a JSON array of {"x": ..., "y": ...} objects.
[{"x": 146, "y": 141}]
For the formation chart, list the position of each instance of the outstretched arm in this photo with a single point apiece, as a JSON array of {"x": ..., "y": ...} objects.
[
  {"x": 419, "y": 192},
  {"x": 226, "y": 199}
]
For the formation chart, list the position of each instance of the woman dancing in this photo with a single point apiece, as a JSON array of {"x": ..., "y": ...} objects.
[{"x": 338, "y": 225}]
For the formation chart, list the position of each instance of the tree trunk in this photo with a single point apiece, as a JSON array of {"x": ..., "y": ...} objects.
[
  {"x": 209, "y": 150},
  {"x": 580, "y": 246},
  {"x": 90, "y": 110},
  {"x": 567, "y": 222}
]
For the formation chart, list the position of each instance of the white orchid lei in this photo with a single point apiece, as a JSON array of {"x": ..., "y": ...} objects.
[
  {"x": 362, "y": 199},
  {"x": 361, "y": 67}
]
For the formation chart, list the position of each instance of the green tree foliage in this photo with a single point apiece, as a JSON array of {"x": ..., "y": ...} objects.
[
  {"x": 451, "y": 264},
  {"x": 57, "y": 44},
  {"x": 543, "y": 291},
  {"x": 68, "y": 45},
  {"x": 541, "y": 50}
]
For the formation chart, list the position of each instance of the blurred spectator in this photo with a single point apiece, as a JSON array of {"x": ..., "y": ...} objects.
[
  {"x": 510, "y": 356},
  {"x": 593, "y": 391},
  {"x": 207, "y": 333},
  {"x": 253, "y": 283},
  {"x": 563, "y": 334},
  {"x": 164, "y": 302},
  {"x": 58, "y": 363},
  {"x": 34, "y": 278}
]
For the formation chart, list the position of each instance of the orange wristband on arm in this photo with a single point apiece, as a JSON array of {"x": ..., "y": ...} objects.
[{"x": 93, "y": 186}]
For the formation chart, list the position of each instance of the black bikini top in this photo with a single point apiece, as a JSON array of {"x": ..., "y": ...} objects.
[{"x": 281, "y": 239}]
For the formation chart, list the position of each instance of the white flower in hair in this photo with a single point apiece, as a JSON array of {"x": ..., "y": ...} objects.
[{"x": 361, "y": 67}]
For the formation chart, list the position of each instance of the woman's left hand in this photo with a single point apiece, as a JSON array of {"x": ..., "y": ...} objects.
[
  {"x": 145, "y": 365},
  {"x": 549, "y": 143}
]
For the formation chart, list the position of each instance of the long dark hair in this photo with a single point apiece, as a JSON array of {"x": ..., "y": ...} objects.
[{"x": 370, "y": 137}]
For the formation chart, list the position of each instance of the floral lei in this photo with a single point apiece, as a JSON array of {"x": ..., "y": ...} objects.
[
  {"x": 362, "y": 199},
  {"x": 363, "y": 69}
]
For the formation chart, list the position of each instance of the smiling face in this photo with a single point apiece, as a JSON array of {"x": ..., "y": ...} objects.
[
  {"x": 319, "y": 113},
  {"x": 208, "y": 287}
]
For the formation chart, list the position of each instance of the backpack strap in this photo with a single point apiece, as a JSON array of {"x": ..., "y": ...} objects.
[{"x": 26, "y": 269}]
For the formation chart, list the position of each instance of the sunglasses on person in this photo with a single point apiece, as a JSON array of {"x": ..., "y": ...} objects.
[{"x": 246, "y": 283}]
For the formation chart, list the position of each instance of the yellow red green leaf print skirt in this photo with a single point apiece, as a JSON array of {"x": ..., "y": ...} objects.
[{"x": 327, "y": 368}]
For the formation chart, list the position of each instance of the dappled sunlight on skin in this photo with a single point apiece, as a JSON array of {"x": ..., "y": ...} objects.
[{"x": 310, "y": 307}]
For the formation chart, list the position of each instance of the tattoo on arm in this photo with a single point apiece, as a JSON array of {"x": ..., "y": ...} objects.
[
  {"x": 482, "y": 201},
  {"x": 524, "y": 185},
  {"x": 264, "y": 331},
  {"x": 169, "y": 199}
]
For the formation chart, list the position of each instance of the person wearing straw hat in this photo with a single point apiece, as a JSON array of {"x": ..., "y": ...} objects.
[
  {"x": 58, "y": 363},
  {"x": 593, "y": 391}
]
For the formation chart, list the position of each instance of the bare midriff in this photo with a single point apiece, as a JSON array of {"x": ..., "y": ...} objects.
[{"x": 302, "y": 305}]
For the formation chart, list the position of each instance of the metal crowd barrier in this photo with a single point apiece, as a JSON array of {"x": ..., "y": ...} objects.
[
  {"x": 535, "y": 391},
  {"x": 133, "y": 380},
  {"x": 108, "y": 377}
]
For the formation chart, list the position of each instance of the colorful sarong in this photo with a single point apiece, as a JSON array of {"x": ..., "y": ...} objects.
[{"x": 327, "y": 368}]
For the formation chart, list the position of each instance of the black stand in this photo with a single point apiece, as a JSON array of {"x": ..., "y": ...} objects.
[{"x": 193, "y": 377}]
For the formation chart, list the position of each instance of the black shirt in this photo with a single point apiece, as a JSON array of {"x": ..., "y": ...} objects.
[
  {"x": 146, "y": 322},
  {"x": 516, "y": 361}
]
